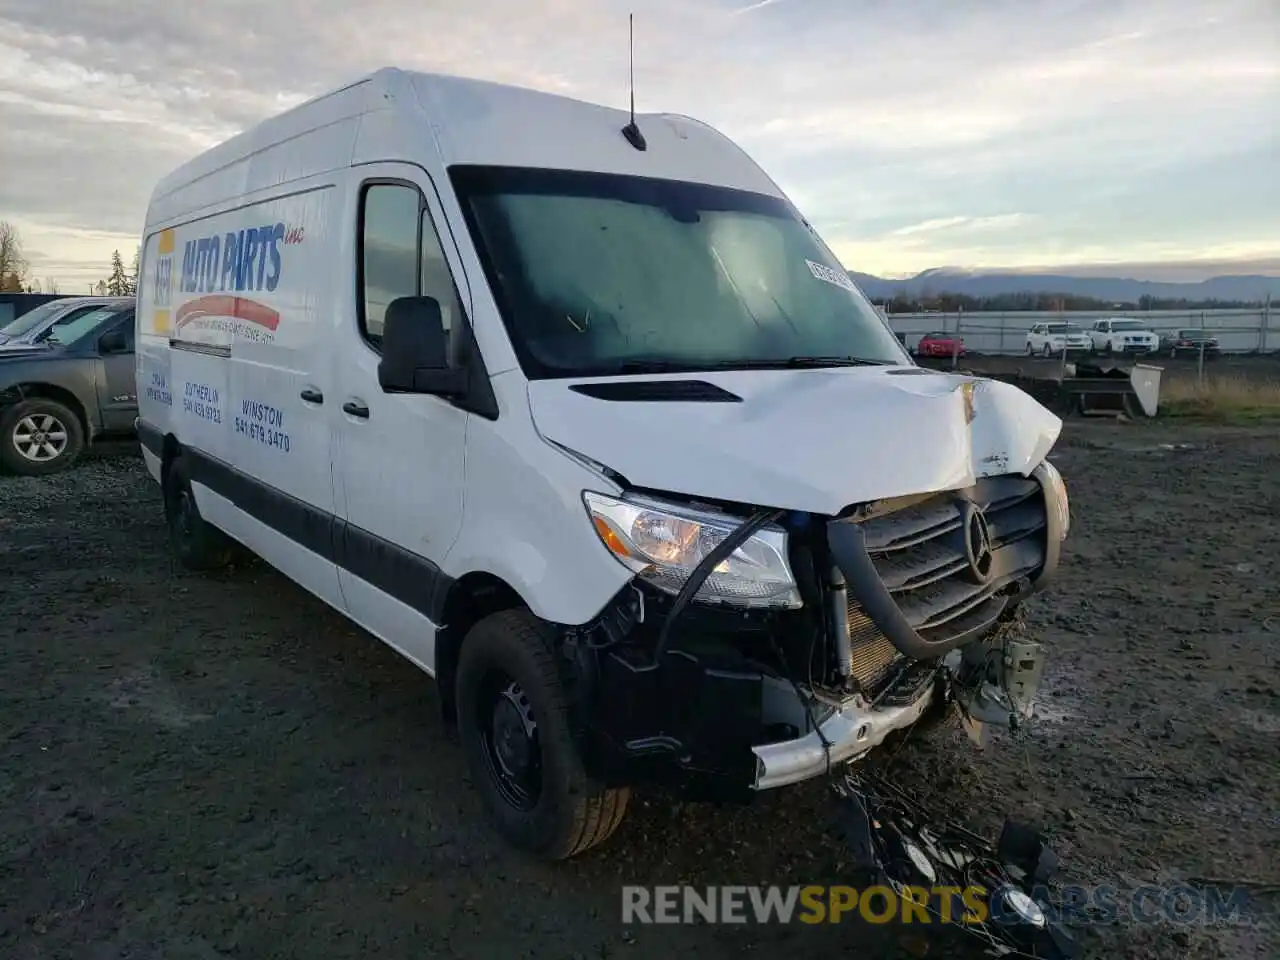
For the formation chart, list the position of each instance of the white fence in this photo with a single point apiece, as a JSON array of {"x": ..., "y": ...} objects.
[{"x": 1238, "y": 331}]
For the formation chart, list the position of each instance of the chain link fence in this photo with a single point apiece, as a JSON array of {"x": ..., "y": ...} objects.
[{"x": 1240, "y": 331}]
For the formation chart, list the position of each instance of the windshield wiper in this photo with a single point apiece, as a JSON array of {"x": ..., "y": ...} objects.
[
  {"x": 833, "y": 362},
  {"x": 798, "y": 363}
]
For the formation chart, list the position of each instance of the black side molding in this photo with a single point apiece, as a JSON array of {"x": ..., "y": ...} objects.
[
  {"x": 152, "y": 439},
  {"x": 412, "y": 579}
]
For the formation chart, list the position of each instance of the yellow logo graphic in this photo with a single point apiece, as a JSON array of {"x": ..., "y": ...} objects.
[{"x": 162, "y": 284}]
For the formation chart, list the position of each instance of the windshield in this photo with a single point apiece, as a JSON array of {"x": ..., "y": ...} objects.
[
  {"x": 70, "y": 330},
  {"x": 601, "y": 273},
  {"x": 32, "y": 318},
  {"x": 1192, "y": 335},
  {"x": 1127, "y": 325},
  {"x": 1063, "y": 328}
]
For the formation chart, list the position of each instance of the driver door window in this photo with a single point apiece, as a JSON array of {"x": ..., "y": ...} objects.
[{"x": 400, "y": 256}]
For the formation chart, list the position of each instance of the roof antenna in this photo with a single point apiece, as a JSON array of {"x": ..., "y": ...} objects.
[{"x": 631, "y": 131}]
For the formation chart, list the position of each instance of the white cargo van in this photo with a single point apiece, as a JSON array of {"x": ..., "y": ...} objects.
[{"x": 589, "y": 424}]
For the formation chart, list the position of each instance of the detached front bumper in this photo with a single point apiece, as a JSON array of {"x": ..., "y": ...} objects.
[{"x": 851, "y": 731}]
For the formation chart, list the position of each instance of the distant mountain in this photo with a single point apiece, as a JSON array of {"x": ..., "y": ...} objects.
[{"x": 1252, "y": 289}]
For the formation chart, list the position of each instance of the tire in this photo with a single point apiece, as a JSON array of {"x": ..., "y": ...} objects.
[
  {"x": 198, "y": 545},
  {"x": 39, "y": 437},
  {"x": 1048, "y": 352},
  {"x": 562, "y": 811},
  {"x": 1030, "y": 351}
]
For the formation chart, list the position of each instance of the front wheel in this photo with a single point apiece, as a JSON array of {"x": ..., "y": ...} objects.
[
  {"x": 513, "y": 721},
  {"x": 39, "y": 437}
]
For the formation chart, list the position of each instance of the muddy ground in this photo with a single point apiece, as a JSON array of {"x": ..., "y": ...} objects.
[{"x": 194, "y": 768}]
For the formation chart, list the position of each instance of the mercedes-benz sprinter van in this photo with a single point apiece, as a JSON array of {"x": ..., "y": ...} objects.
[{"x": 578, "y": 414}]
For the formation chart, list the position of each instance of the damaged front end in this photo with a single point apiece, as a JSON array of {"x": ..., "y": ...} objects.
[{"x": 795, "y": 643}]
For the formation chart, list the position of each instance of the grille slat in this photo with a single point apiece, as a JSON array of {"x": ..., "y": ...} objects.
[
  {"x": 931, "y": 561},
  {"x": 919, "y": 551}
]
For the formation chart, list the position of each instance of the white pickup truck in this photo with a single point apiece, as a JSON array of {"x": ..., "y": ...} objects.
[
  {"x": 1048, "y": 339},
  {"x": 1122, "y": 335}
]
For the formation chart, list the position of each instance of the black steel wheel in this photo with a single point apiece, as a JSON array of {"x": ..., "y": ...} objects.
[
  {"x": 504, "y": 719},
  {"x": 513, "y": 721}
]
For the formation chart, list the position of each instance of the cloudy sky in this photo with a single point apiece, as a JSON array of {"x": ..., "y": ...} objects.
[{"x": 914, "y": 133}]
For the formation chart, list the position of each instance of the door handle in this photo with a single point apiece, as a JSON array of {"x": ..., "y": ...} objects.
[
  {"x": 355, "y": 408},
  {"x": 311, "y": 395}
]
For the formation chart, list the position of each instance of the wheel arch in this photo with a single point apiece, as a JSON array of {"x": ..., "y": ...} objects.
[
  {"x": 170, "y": 449},
  {"x": 470, "y": 599},
  {"x": 37, "y": 389}
]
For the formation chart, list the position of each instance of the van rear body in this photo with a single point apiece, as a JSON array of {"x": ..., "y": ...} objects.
[{"x": 602, "y": 438}]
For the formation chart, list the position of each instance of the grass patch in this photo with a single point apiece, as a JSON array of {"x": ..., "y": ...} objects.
[{"x": 1222, "y": 398}]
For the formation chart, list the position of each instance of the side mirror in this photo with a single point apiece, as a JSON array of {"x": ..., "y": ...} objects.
[
  {"x": 113, "y": 341},
  {"x": 415, "y": 351}
]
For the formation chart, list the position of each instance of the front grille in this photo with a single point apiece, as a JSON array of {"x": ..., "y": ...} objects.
[{"x": 920, "y": 553}]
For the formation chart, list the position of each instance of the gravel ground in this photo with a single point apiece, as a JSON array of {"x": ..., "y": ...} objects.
[{"x": 205, "y": 767}]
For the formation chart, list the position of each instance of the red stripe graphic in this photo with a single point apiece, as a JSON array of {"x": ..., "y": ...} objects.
[{"x": 223, "y": 305}]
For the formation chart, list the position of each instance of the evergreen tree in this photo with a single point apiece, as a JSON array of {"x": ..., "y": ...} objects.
[
  {"x": 118, "y": 282},
  {"x": 133, "y": 275}
]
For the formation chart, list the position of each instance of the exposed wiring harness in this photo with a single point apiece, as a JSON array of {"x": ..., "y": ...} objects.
[{"x": 698, "y": 576}]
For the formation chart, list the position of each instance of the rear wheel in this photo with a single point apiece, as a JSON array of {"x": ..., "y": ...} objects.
[
  {"x": 39, "y": 437},
  {"x": 1048, "y": 351},
  {"x": 198, "y": 545},
  {"x": 513, "y": 721}
]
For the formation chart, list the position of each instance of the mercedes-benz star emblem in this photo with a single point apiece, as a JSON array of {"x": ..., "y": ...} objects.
[{"x": 977, "y": 544}]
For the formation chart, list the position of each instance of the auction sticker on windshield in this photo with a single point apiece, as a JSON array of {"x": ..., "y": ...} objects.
[{"x": 822, "y": 272}]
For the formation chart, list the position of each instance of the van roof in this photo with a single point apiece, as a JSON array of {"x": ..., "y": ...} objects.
[{"x": 397, "y": 114}]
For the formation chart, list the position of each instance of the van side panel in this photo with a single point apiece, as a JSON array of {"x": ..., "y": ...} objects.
[
  {"x": 234, "y": 364},
  {"x": 306, "y": 142}
]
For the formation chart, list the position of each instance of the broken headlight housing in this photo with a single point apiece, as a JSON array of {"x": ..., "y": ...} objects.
[
  {"x": 1056, "y": 495},
  {"x": 663, "y": 542}
]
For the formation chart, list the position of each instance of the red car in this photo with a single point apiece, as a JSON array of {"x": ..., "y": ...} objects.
[{"x": 940, "y": 345}]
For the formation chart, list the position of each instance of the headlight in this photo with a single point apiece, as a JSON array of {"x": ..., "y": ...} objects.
[
  {"x": 1055, "y": 490},
  {"x": 663, "y": 543}
]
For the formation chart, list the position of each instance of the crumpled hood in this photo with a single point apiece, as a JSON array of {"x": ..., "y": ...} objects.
[{"x": 812, "y": 440}]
